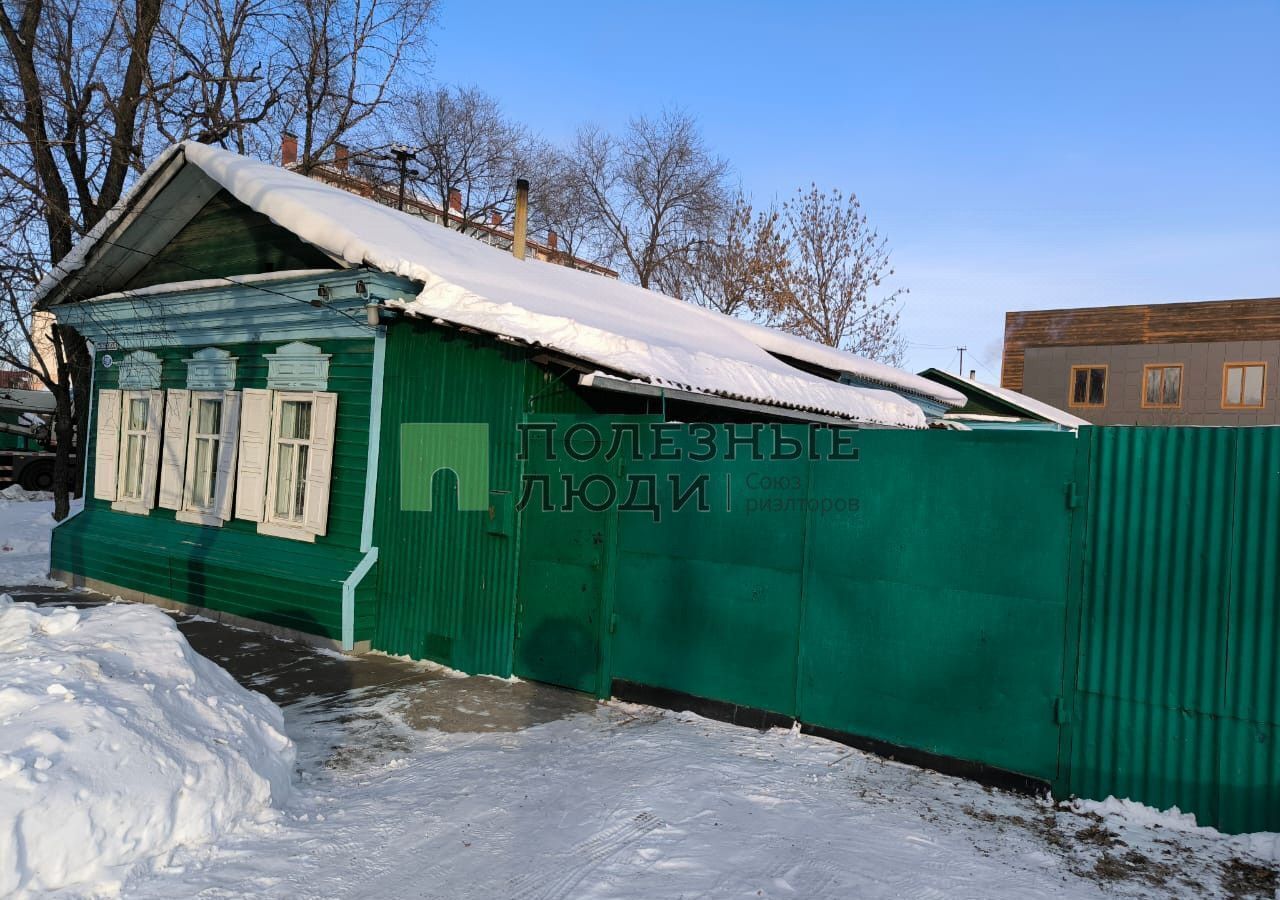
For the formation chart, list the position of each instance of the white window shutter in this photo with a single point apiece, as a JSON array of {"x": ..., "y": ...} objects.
[
  {"x": 151, "y": 458},
  {"x": 227, "y": 446},
  {"x": 324, "y": 416},
  {"x": 106, "y": 453},
  {"x": 255, "y": 451},
  {"x": 173, "y": 455}
]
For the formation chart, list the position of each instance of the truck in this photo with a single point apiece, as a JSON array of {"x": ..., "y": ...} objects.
[{"x": 26, "y": 439}]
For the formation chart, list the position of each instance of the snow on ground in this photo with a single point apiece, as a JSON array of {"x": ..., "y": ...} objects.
[
  {"x": 119, "y": 744},
  {"x": 631, "y": 802},
  {"x": 26, "y": 522}
]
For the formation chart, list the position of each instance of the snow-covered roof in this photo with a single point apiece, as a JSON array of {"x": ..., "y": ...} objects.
[
  {"x": 784, "y": 344},
  {"x": 605, "y": 322},
  {"x": 1035, "y": 409}
]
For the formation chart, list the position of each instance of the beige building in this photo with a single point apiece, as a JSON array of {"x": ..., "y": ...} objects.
[{"x": 1202, "y": 363}]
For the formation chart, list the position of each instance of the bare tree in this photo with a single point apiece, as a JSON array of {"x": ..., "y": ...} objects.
[
  {"x": 465, "y": 143},
  {"x": 560, "y": 203},
  {"x": 741, "y": 269},
  {"x": 89, "y": 88},
  {"x": 837, "y": 263},
  {"x": 217, "y": 71},
  {"x": 73, "y": 81},
  {"x": 655, "y": 192},
  {"x": 343, "y": 63}
]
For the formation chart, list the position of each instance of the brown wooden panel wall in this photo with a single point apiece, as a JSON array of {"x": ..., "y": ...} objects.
[{"x": 1164, "y": 323}]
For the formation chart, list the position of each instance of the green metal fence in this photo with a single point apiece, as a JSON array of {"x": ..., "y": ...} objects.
[
  {"x": 1099, "y": 612},
  {"x": 914, "y": 595},
  {"x": 1177, "y": 688}
]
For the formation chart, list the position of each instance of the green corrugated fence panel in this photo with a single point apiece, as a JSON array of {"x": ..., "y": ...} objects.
[
  {"x": 1153, "y": 754},
  {"x": 1178, "y": 680},
  {"x": 1252, "y": 688}
]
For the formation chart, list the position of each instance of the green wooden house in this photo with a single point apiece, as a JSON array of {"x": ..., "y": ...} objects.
[{"x": 261, "y": 339}]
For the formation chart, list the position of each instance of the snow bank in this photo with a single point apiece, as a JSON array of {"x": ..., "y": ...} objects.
[
  {"x": 1129, "y": 813},
  {"x": 26, "y": 521},
  {"x": 119, "y": 744}
]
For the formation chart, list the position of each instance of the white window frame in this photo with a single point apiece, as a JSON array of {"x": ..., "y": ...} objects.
[
  {"x": 271, "y": 523},
  {"x": 140, "y": 505},
  {"x": 189, "y": 512}
]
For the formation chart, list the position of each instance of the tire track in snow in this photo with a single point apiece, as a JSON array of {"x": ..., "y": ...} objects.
[{"x": 572, "y": 866}]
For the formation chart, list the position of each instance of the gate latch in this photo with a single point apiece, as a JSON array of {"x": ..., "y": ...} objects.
[{"x": 1073, "y": 496}]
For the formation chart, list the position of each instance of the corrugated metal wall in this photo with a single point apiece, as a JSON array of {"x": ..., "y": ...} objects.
[
  {"x": 447, "y": 584},
  {"x": 289, "y": 583},
  {"x": 1177, "y": 684}
]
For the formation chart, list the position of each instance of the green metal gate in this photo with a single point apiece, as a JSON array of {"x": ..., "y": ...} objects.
[
  {"x": 565, "y": 556},
  {"x": 916, "y": 595}
]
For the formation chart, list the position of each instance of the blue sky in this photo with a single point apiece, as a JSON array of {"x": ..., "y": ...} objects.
[{"x": 1016, "y": 155}]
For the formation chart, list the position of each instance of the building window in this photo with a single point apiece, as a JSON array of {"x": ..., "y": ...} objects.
[
  {"x": 291, "y": 448},
  {"x": 1244, "y": 385},
  {"x": 286, "y": 461},
  {"x": 133, "y": 445},
  {"x": 127, "y": 448},
  {"x": 1162, "y": 386},
  {"x": 202, "y": 454},
  {"x": 197, "y": 470},
  {"x": 1088, "y": 386}
]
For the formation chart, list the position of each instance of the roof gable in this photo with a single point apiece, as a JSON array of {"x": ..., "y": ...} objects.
[{"x": 226, "y": 238}]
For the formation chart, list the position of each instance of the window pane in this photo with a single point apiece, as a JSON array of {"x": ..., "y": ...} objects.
[
  {"x": 1151, "y": 394},
  {"x": 205, "y": 474},
  {"x": 133, "y": 455},
  {"x": 1079, "y": 388},
  {"x": 1253, "y": 385},
  {"x": 1097, "y": 386},
  {"x": 295, "y": 420},
  {"x": 208, "y": 416},
  {"x": 137, "y": 414},
  {"x": 1234, "y": 381},
  {"x": 300, "y": 483},
  {"x": 284, "y": 477},
  {"x": 1172, "y": 386}
]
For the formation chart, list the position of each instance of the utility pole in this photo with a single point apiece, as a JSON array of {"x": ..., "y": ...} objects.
[
  {"x": 961, "y": 370},
  {"x": 402, "y": 156}
]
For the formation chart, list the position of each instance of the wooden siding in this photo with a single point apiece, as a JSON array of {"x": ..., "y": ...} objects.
[
  {"x": 1164, "y": 323},
  {"x": 233, "y": 568},
  {"x": 227, "y": 238}
]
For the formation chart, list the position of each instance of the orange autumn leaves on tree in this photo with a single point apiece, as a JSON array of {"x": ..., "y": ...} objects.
[{"x": 814, "y": 268}]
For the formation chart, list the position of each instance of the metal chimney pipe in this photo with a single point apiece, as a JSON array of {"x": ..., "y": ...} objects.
[{"x": 520, "y": 232}]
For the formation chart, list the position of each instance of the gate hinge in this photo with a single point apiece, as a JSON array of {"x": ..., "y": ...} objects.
[
  {"x": 1073, "y": 496},
  {"x": 1060, "y": 716}
]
